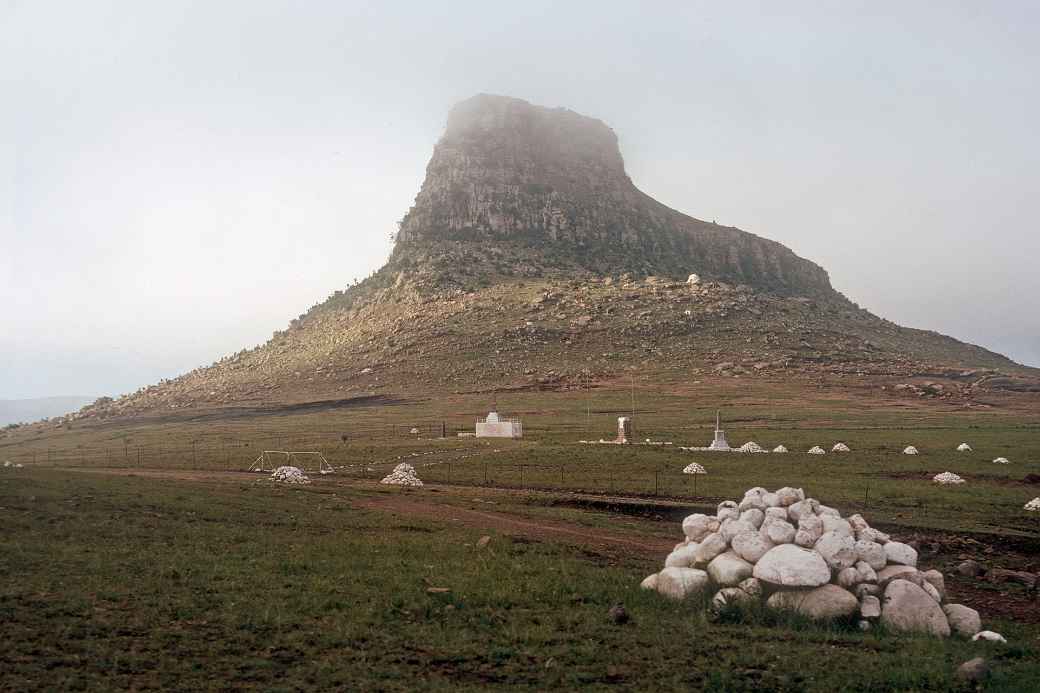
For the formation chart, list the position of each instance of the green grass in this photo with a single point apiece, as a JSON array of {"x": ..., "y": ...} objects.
[{"x": 131, "y": 583}]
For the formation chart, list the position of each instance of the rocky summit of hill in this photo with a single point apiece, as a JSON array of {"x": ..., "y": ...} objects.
[
  {"x": 530, "y": 260},
  {"x": 548, "y": 187}
]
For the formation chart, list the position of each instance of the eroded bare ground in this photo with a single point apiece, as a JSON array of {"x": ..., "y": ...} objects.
[{"x": 652, "y": 531}]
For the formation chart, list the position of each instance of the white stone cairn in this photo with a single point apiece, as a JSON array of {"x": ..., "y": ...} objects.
[
  {"x": 947, "y": 478},
  {"x": 1033, "y": 506},
  {"x": 963, "y": 447},
  {"x": 694, "y": 468},
  {"x": 840, "y": 447},
  {"x": 817, "y": 450},
  {"x": 780, "y": 449},
  {"x": 403, "y": 475},
  {"x": 910, "y": 450},
  {"x": 788, "y": 552},
  {"x": 1002, "y": 460},
  {"x": 289, "y": 475},
  {"x": 751, "y": 446}
]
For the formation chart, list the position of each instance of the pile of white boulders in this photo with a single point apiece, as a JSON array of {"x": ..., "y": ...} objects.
[
  {"x": 780, "y": 449},
  {"x": 963, "y": 447},
  {"x": 403, "y": 475},
  {"x": 840, "y": 447},
  {"x": 289, "y": 475},
  {"x": 1033, "y": 506},
  {"x": 796, "y": 554},
  {"x": 910, "y": 450},
  {"x": 751, "y": 446},
  {"x": 694, "y": 468},
  {"x": 1002, "y": 460},
  {"x": 947, "y": 478},
  {"x": 817, "y": 450}
]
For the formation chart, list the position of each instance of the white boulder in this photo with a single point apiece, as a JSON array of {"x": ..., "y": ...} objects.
[
  {"x": 679, "y": 583},
  {"x": 778, "y": 531},
  {"x": 753, "y": 517},
  {"x": 894, "y": 572},
  {"x": 802, "y": 508},
  {"x": 900, "y": 553},
  {"x": 907, "y": 607},
  {"x": 751, "y": 546},
  {"x": 810, "y": 529},
  {"x": 729, "y": 570},
  {"x": 709, "y": 548},
  {"x": 683, "y": 557},
  {"x": 871, "y": 553},
  {"x": 788, "y": 496},
  {"x": 963, "y": 620},
  {"x": 698, "y": 526},
  {"x": 649, "y": 582},
  {"x": 838, "y": 550},
  {"x": 731, "y": 528},
  {"x": 727, "y": 510},
  {"x": 822, "y": 603},
  {"x": 936, "y": 580},
  {"x": 792, "y": 566}
]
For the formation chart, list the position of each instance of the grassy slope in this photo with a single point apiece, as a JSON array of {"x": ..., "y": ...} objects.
[
  {"x": 517, "y": 333},
  {"x": 125, "y": 583}
]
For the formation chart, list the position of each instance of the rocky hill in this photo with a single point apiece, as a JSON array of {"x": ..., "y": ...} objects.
[
  {"x": 552, "y": 183},
  {"x": 530, "y": 260}
]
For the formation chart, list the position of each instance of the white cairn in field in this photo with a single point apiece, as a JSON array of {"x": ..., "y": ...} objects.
[
  {"x": 780, "y": 449},
  {"x": 403, "y": 475},
  {"x": 947, "y": 478},
  {"x": 781, "y": 550},
  {"x": 817, "y": 450},
  {"x": 1002, "y": 460},
  {"x": 840, "y": 447},
  {"x": 751, "y": 446},
  {"x": 910, "y": 450},
  {"x": 1033, "y": 506},
  {"x": 694, "y": 468},
  {"x": 963, "y": 447},
  {"x": 289, "y": 475}
]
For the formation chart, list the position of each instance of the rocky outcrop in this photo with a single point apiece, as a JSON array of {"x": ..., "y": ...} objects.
[{"x": 507, "y": 171}]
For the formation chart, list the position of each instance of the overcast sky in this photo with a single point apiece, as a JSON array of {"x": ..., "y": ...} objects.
[{"x": 180, "y": 179}]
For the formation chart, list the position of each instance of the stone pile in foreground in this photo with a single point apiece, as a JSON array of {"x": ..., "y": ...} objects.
[{"x": 789, "y": 552}]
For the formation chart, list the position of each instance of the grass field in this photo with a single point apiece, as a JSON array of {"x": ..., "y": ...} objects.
[
  {"x": 151, "y": 582},
  {"x": 123, "y": 582}
]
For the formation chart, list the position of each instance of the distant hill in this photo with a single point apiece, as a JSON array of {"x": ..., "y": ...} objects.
[
  {"x": 29, "y": 410},
  {"x": 530, "y": 260}
]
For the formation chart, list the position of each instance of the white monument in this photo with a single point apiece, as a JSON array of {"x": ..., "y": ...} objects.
[
  {"x": 624, "y": 430},
  {"x": 720, "y": 437},
  {"x": 497, "y": 426}
]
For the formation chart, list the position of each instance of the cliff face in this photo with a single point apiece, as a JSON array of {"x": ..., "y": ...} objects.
[{"x": 552, "y": 180}]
